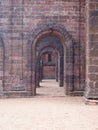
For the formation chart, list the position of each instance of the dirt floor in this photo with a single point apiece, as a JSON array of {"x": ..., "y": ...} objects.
[
  {"x": 50, "y": 88},
  {"x": 48, "y": 113}
]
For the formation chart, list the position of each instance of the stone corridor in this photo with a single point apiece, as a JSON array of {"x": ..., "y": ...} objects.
[{"x": 50, "y": 88}]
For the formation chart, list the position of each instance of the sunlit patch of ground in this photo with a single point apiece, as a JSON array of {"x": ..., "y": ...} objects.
[{"x": 48, "y": 113}]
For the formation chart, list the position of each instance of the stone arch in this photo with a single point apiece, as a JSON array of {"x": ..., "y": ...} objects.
[
  {"x": 2, "y": 53},
  {"x": 48, "y": 50},
  {"x": 54, "y": 58},
  {"x": 43, "y": 62},
  {"x": 55, "y": 44},
  {"x": 66, "y": 39},
  {"x": 48, "y": 59}
]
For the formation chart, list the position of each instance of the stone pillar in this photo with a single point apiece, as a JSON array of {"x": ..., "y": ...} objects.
[
  {"x": 38, "y": 74},
  {"x": 1, "y": 65},
  {"x": 41, "y": 71},
  {"x": 61, "y": 71},
  {"x": 91, "y": 91},
  {"x": 56, "y": 68}
]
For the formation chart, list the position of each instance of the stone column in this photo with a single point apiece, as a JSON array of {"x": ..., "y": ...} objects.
[
  {"x": 56, "y": 68},
  {"x": 38, "y": 74},
  {"x": 91, "y": 91},
  {"x": 41, "y": 71},
  {"x": 61, "y": 71}
]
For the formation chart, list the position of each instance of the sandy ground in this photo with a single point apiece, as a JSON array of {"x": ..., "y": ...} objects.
[
  {"x": 48, "y": 113},
  {"x": 50, "y": 88}
]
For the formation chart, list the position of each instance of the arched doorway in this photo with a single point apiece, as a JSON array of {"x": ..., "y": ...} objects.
[
  {"x": 50, "y": 59},
  {"x": 49, "y": 69},
  {"x": 58, "y": 39}
]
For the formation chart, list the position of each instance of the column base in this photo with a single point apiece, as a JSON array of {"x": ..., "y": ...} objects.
[
  {"x": 90, "y": 101},
  {"x": 16, "y": 94}
]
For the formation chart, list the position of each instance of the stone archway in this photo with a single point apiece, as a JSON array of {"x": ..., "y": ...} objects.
[
  {"x": 66, "y": 41},
  {"x": 48, "y": 64},
  {"x": 44, "y": 61},
  {"x": 47, "y": 43}
]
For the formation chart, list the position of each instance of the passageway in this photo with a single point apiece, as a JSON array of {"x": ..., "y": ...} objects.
[
  {"x": 52, "y": 58},
  {"x": 50, "y": 88}
]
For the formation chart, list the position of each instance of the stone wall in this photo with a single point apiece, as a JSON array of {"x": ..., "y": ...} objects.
[
  {"x": 92, "y": 50},
  {"x": 19, "y": 20},
  {"x": 49, "y": 72}
]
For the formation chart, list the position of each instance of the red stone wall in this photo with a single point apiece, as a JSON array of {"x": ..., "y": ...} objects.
[
  {"x": 49, "y": 67},
  {"x": 92, "y": 50},
  {"x": 20, "y": 18},
  {"x": 49, "y": 72}
]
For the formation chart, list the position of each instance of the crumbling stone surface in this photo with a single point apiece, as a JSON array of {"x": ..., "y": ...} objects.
[
  {"x": 92, "y": 50},
  {"x": 24, "y": 26}
]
